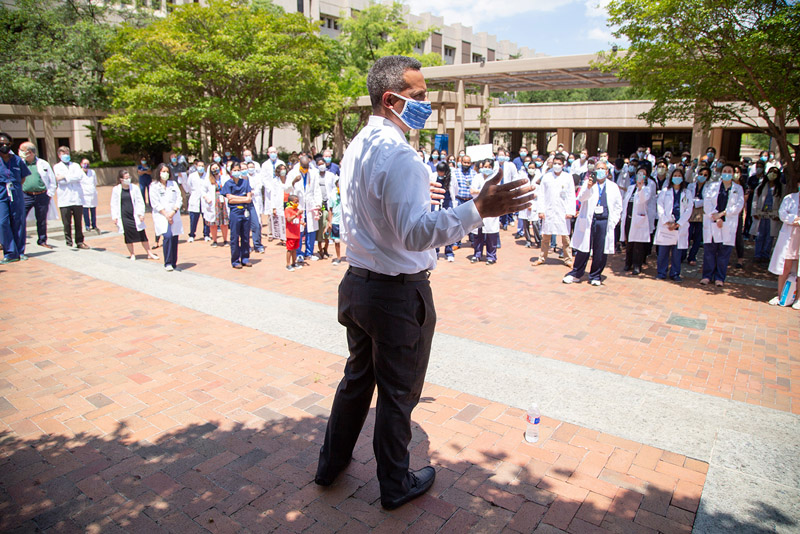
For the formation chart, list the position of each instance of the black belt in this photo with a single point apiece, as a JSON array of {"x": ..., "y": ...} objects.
[
  {"x": 369, "y": 275},
  {"x": 463, "y": 199},
  {"x": 35, "y": 192}
]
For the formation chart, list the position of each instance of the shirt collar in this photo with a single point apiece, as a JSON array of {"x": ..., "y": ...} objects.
[{"x": 383, "y": 122}]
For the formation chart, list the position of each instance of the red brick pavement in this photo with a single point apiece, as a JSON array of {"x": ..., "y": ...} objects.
[
  {"x": 147, "y": 416},
  {"x": 748, "y": 350}
]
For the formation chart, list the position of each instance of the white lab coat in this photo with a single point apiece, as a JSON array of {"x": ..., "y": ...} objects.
[
  {"x": 556, "y": 201},
  {"x": 589, "y": 197},
  {"x": 789, "y": 235},
  {"x": 665, "y": 236},
  {"x": 207, "y": 201},
  {"x": 727, "y": 234},
  {"x": 640, "y": 222},
  {"x": 309, "y": 196},
  {"x": 510, "y": 172},
  {"x": 491, "y": 225},
  {"x": 68, "y": 179},
  {"x": 49, "y": 179},
  {"x": 760, "y": 202},
  {"x": 531, "y": 214},
  {"x": 89, "y": 186},
  {"x": 196, "y": 187},
  {"x": 652, "y": 204},
  {"x": 167, "y": 199},
  {"x": 138, "y": 207},
  {"x": 268, "y": 168},
  {"x": 257, "y": 187}
]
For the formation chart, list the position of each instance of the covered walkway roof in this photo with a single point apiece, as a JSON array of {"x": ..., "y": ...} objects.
[{"x": 531, "y": 74}]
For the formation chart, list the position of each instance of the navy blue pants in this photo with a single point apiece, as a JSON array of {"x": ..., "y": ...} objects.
[
  {"x": 715, "y": 261},
  {"x": 696, "y": 237},
  {"x": 307, "y": 240},
  {"x": 664, "y": 263},
  {"x": 240, "y": 235},
  {"x": 597, "y": 237},
  {"x": 481, "y": 240},
  {"x": 89, "y": 218},
  {"x": 170, "y": 247},
  {"x": 144, "y": 187},
  {"x": 40, "y": 204},
  {"x": 12, "y": 221},
  {"x": 193, "y": 220},
  {"x": 764, "y": 239},
  {"x": 255, "y": 229}
]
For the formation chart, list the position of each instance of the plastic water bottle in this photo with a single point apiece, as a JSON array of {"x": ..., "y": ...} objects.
[{"x": 532, "y": 432}]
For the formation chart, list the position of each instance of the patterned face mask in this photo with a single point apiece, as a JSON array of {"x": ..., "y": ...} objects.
[{"x": 414, "y": 113}]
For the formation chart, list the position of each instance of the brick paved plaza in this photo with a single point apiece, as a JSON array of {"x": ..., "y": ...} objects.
[{"x": 136, "y": 400}]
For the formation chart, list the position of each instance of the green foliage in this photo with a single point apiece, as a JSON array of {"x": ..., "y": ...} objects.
[
  {"x": 713, "y": 61},
  {"x": 55, "y": 51},
  {"x": 595, "y": 94},
  {"x": 225, "y": 67}
]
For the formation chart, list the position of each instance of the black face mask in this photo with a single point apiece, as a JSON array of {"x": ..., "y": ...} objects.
[
  {"x": 466, "y": 168},
  {"x": 5, "y": 149}
]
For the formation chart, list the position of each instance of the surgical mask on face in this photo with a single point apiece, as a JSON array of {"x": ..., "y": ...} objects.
[
  {"x": 273, "y": 156},
  {"x": 701, "y": 178},
  {"x": 248, "y": 159},
  {"x": 200, "y": 170},
  {"x": 772, "y": 177},
  {"x": 640, "y": 154},
  {"x": 486, "y": 172},
  {"x": 174, "y": 160},
  {"x": 684, "y": 159},
  {"x": 677, "y": 180},
  {"x": 583, "y": 157},
  {"x": 65, "y": 158},
  {"x": 84, "y": 165},
  {"x": 661, "y": 171},
  {"x": 522, "y": 153},
  {"x": 434, "y": 157},
  {"x": 590, "y": 167},
  {"x": 710, "y": 156},
  {"x": 282, "y": 173},
  {"x": 217, "y": 159},
  {"x": 502, "y": 159},
  {"x": 322, "y": 168},
  {"x": 604, "y": 159},
  {"x": 144, "y": 163},
  {"x": 227, "y": 154},
  {"x": 571, "y": 160},
  {"x": 538, "y": 164},
  {"x": 414, "y": 113},
  {"x": 640, "y": 178},
  {"x": 764, "y": 159},
  {"x": 327, "y": 159},
  {"x": 251, "y": 172},
  {"x": 126, "y": 181},
  {"x": 600, "y": 174},
  {"x": 165, "y": 175},
  {"x": 557, "y": 168},
  {"x": 727, "y": 177}
]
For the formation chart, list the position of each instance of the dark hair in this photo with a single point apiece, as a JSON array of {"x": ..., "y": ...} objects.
[
  {"x": 445, "y": 168},
  {"x": 120, "y": 175},
  {"x": 10, "y": 139},
  {"x": 778, "y": 194},
  {"x": 157, "y": 172},
  {"x": 559, "y": 157},
  {"x": 387, "y": 74},
  {"x": 292, "y": 198},
  {"x": 711, "y": 149},
  {"x": 683, "y": 175}
]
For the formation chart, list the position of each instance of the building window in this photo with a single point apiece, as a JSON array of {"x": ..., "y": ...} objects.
[
  {"x": 477, "y": 58},
  {"x": 449, "y": 55}
]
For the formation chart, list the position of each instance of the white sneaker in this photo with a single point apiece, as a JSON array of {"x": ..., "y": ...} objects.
[
  {"x": 796, "y": 305},
  {"x": 775, "y": 301},
  {"x": 451, "y": 259},
  {"x": 133, "y": 257},
  {"x": 568, "y": 279},
  {"x": 206, "y": 239},
  {"x": 190, "y": 240},
  {"x": 169, "y": 268},
  {"x": 314, "y": 257},
  {"x": 596, "y": 283}
]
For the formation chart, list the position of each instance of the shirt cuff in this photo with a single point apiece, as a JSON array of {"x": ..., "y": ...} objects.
[{"x": 468, "y": 214}]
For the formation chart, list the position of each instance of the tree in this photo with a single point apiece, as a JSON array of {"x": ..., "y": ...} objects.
[
  {"x": 227, "y": 70},
  {"x": 714, "y": 61},
  {"x": 377, "y": 31},
  {"x": 54, "y": 51},
  {"x": 593, "y": 94}
]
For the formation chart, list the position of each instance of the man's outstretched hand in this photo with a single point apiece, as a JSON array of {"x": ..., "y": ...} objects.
[{"x": 495, "y": 200}]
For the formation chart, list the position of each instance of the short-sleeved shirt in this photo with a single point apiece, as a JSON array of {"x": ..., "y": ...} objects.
[
  {"x": 13, "y": 170},
  {"x": 239, "y": 189},
  {"x": 292, "y": 227}
]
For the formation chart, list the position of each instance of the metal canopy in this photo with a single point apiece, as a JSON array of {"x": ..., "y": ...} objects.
[{"x": 531, "y": 74}]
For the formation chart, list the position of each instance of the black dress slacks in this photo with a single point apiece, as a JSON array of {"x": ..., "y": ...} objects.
[{"x": 390, "y": 327}]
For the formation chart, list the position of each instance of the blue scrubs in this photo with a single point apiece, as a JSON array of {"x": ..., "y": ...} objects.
[
  {"x": 12, "y": 206},
  {"x": 239, "y": 221}
]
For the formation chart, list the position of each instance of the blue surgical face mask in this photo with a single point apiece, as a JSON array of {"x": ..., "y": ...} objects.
[
  {"x": 251, "y": 172},
  {"x": 174, "y": 160},
  {"x": 65, "y": 158},
  {"x": 600, "y": 174},
  {"x": 640, "y": 178},
  {"x": 701, "y": 178},
  {"x": 217, "y": 159},
  {"x": 710, "y": 155},
  {"x": 502, "y": 159},
  {"x": 326, "y": 159},
  {"x": 727, "y": 177},
  {"x": 522, "y": 153},
  {"x": 764, "y": 159},
  {"x": 273, "y": 156},
  {"x": 248, "y": 159},
  {"x": 538, "y": 164},
  {"x": 677, "y": 180},
  {"x": 414, "y": 113},
  {"x": 487, "y": 172}
]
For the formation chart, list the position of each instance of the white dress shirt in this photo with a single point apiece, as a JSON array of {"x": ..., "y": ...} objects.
[
  {"x": 387, "y": 222},
  {"x": 69, "y": 178}
]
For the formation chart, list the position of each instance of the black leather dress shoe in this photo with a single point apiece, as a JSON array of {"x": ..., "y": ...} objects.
[
  {"x": 326, "y": 480},
  {"x": 420, "y": 482}
]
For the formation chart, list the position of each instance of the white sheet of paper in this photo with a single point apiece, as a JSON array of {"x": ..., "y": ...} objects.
[{"x": 479, "y": 152}]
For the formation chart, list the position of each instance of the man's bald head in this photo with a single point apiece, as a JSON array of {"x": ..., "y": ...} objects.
[{"x": 28, "y": 151}]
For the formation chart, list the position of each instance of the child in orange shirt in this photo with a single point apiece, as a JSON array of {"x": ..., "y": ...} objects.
[{"x": 294, "y": 220}]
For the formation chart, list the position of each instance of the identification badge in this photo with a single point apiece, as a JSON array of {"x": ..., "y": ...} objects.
[
  {"x": 598, "y": 210},
  {"x": 246, "y": 214},
  {"x": 563, "y": 195}
]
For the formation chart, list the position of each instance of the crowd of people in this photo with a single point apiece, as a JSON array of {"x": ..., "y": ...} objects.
[{"x": 662, "y": 209}]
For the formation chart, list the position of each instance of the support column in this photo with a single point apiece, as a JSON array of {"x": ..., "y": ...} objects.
[
  {"x": 458, "y": 130},
  {"x": 613, "y": 145},
  {"x": 516, "y": 141},
  {"x": 700, "y": 136},
  {"x": 413, "y": 138},
  {"x": 541, "y": 142},
  {"x": 485, "y": 132},
  {"x": 564, "y": 136},
  {"x": 101, "y": 143},
  {"x": 49, "y": 139},
  {"x": 592, "y": 140},
  {"x": 441, "y": 120},
  {"x": 715, "y": 140},
  {"x": 29, "y": 122},
  {"x": 306, "y": 134},
  {"x": 338, "y": 136}
]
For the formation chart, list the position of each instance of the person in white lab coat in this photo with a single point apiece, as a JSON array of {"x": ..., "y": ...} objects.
[
  {"x": 672, "y": 234},
  {"x": 215, "y": 210},
  {"x": 722, "y": 204},
  {"x": 127, "y": 212},
  {"x": 635, "y": 231},
  {"x": 89, "y": 186},
  {"x": 167, "y": 200},
  {"x": 305, "y": 180},
  {"x": 766, "y": 223},
  {"x": 601, "y": 208},
  {"x": 509, "y": 175},
  {"x": 69, "y": 177},
  {"x": 530, "y": 217},
  {"x": 487, "y": 235},
  {"x": 787, "y": 249},
  {"x": 556, "y": 200},
  {"x": 279, "y": 195},
  {"x": 197, "y": 186},
  {"x": 697, "y": 193},
  {"x": 39, "y": 191},
  {"x": 256, "y": 180}
]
